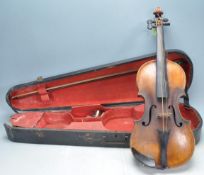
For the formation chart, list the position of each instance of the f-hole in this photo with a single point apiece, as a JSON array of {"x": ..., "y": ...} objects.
[
  {"x": 150, "y": 116},
  {"x": 178, "y": 124}
]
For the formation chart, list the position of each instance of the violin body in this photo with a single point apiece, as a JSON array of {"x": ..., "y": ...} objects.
[
  {"x": 162, "y": 138},
  {"x": 156, "y": 141}
]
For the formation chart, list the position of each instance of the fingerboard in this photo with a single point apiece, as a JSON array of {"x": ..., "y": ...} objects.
[{"x": 161, "y": 77}]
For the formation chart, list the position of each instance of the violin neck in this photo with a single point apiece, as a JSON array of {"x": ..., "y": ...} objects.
[{"x": 161, "y": 80}]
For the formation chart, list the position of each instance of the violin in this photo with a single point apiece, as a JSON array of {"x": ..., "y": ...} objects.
[{"x": 162, "y": 138}]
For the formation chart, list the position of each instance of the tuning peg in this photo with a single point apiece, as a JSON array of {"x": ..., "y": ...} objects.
[
  {"x": 166, "y": 23},
  {"x": 165, "y": 20},
  {"x": 151, "y": 24}
]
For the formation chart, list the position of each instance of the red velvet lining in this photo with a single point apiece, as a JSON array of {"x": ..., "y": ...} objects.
[
  {"x": 111, "y": 90},
  {"x": 81, "y": 118}
]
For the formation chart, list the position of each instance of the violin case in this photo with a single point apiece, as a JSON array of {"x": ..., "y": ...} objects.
[{"x": 91, "y": 107}]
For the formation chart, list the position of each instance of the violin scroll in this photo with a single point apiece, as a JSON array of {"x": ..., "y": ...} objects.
[{"x": 158, "y": 20}]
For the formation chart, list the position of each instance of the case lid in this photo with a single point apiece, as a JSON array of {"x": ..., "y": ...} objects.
[{"x": 113, "y": 83}]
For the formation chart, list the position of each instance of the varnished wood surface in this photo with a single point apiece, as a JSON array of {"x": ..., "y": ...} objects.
[{"x": 144, "y": 139}]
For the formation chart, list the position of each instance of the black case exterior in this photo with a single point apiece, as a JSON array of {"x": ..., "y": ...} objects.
[
  {"x": 75, "y": 137},
  {"x": 68, "y": 137},
  {"x": 81, "y": 137}
]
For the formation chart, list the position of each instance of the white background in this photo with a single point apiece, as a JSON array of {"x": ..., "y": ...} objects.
[{"x": 50, "y": 37}]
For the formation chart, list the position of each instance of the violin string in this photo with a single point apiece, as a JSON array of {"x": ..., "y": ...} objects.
[
  {"x": 166, "y": 123},
  {"x": 163, "y": 117},
  {"x": 164, "y": 107},
  {"x": 162, "y": 99},
  {"x": 166, "y": 88},
  {"x": 162, "y": 113}
]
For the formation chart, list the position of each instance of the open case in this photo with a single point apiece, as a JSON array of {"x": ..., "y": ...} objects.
[{"x": 92, "y": 107}]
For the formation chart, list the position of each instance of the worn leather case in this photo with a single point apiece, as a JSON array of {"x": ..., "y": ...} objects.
[{"x": 97, "y": 107}]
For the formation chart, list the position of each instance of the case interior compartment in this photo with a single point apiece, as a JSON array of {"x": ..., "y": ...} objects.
[{"x": 83, "y": 118}]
